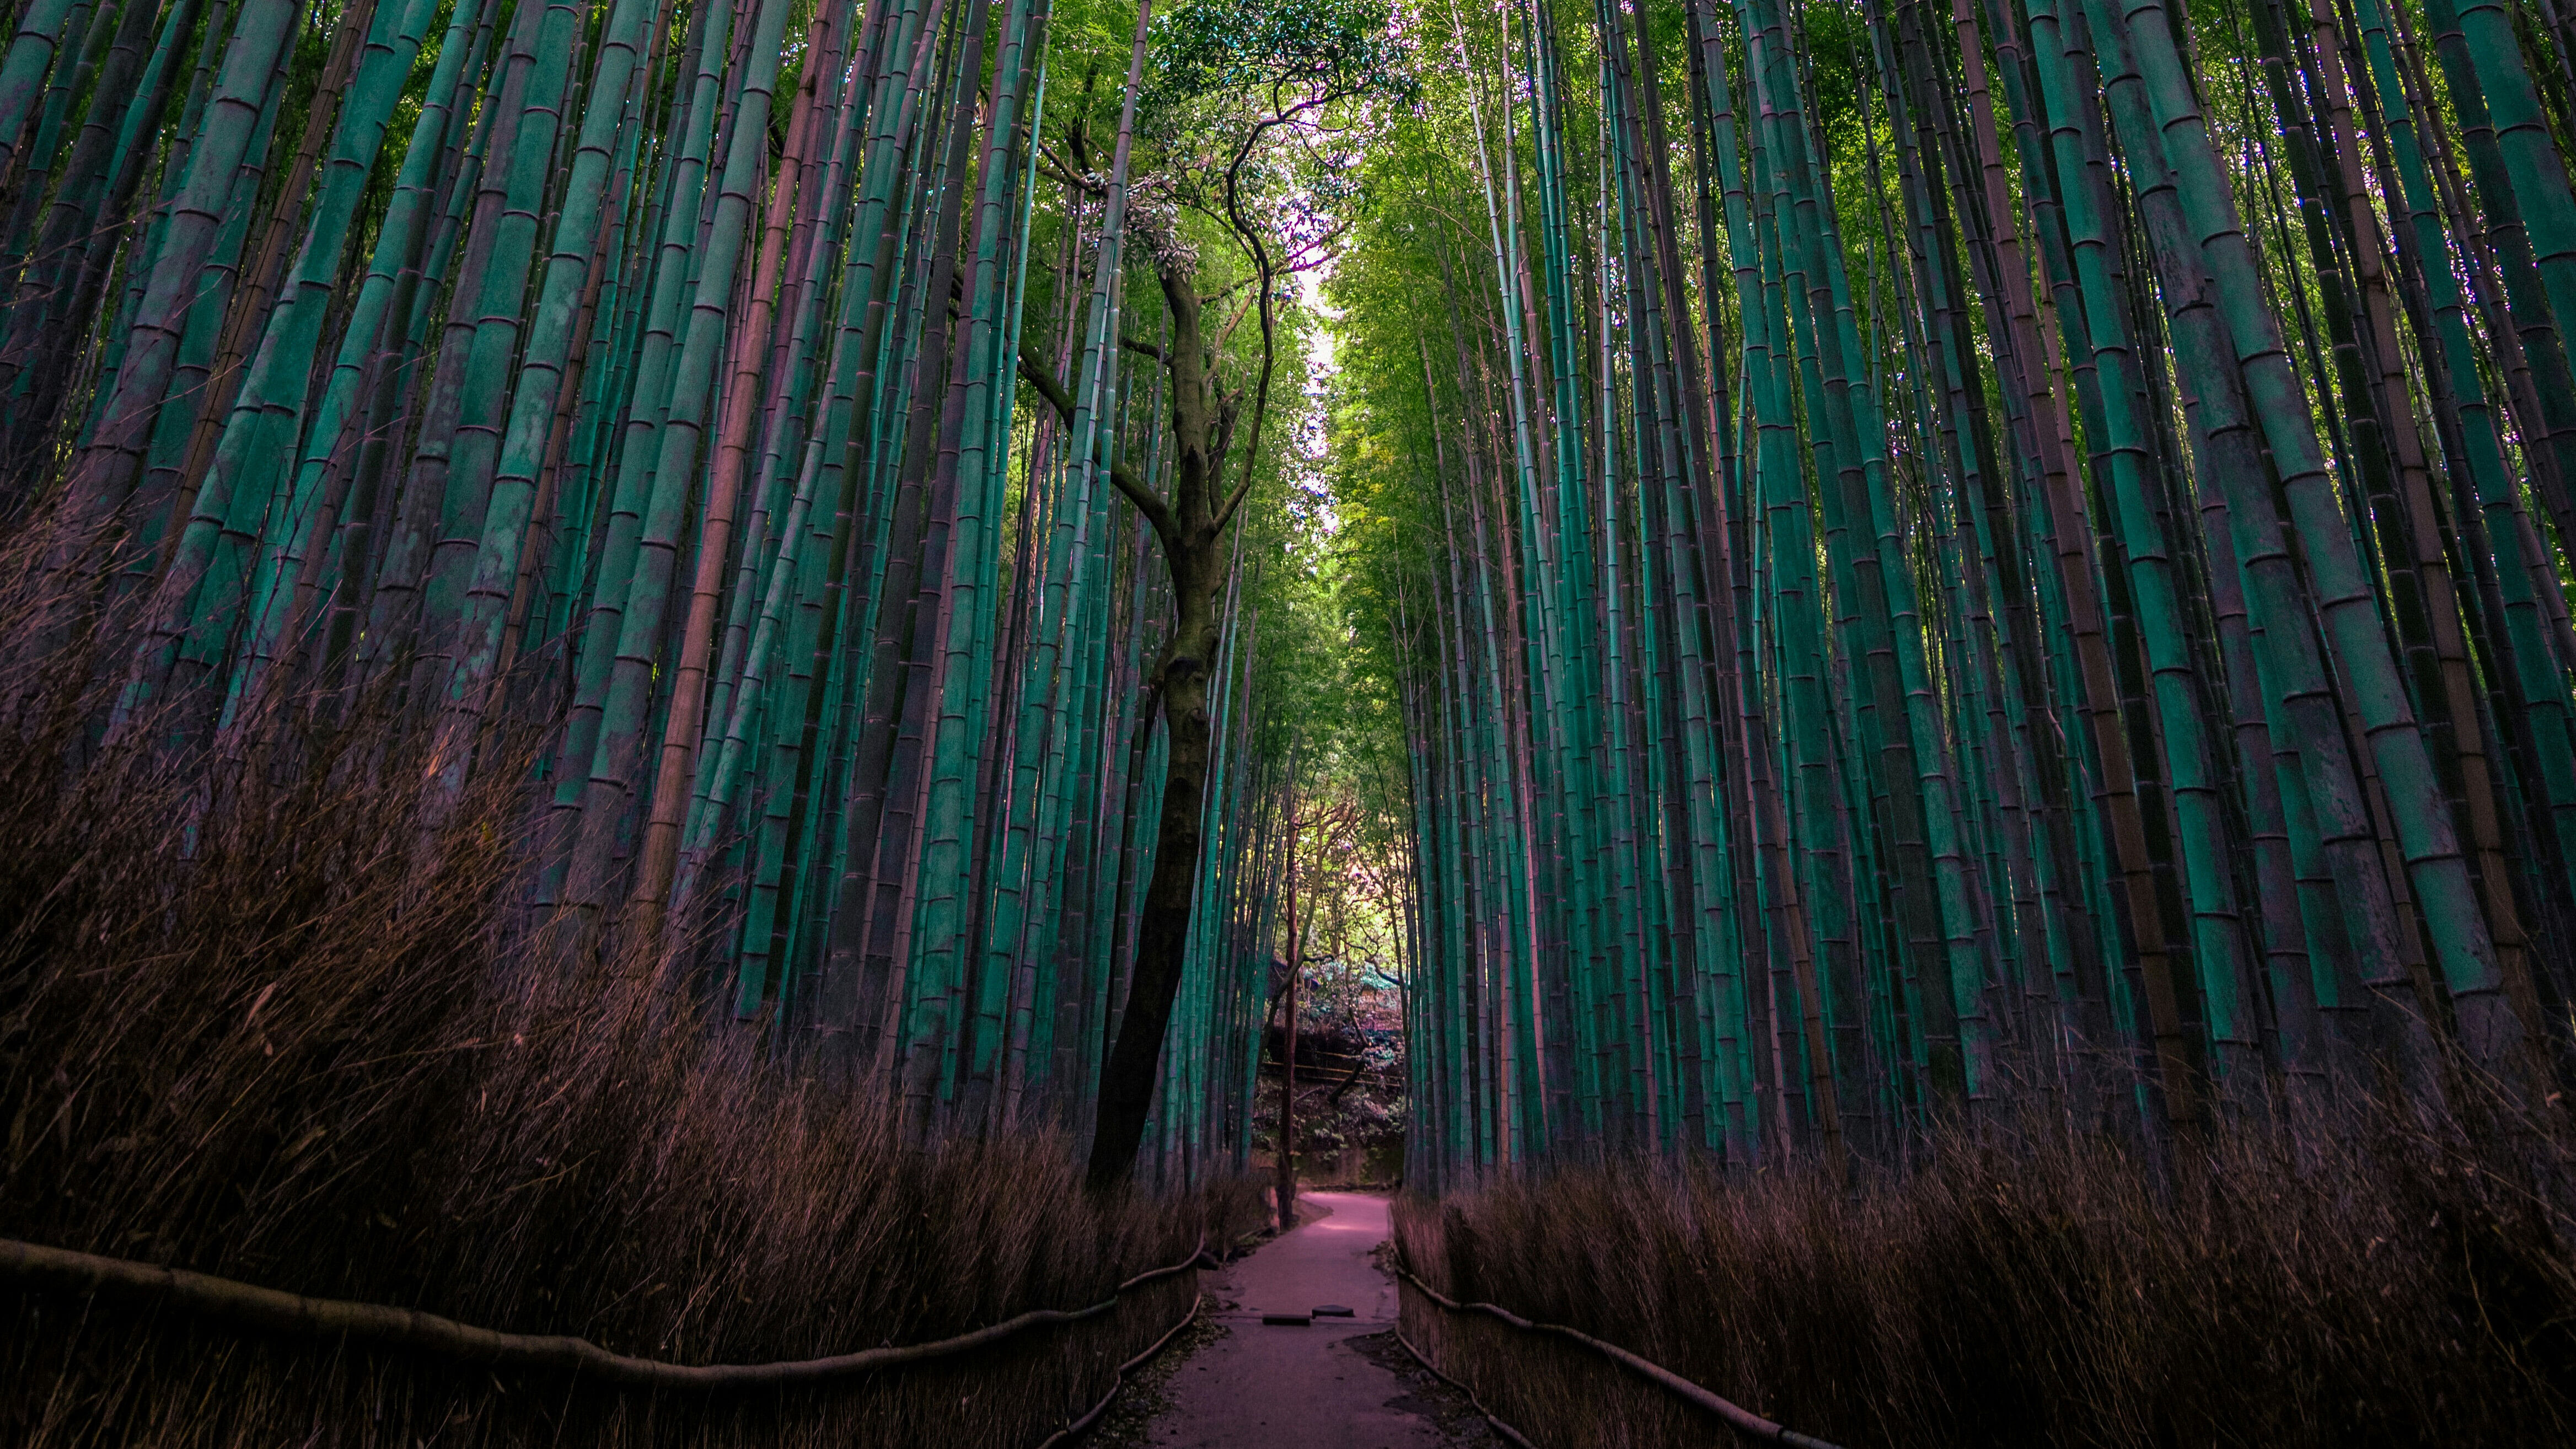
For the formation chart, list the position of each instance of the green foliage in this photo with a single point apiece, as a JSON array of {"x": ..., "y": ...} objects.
[{"x": 1298, "y": 53}]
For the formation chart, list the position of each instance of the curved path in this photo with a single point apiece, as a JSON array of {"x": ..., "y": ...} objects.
[{"x": 1271, "y": 1387}]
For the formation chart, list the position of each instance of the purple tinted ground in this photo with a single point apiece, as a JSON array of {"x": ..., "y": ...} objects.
[{"x": 1342, "y": 1383}]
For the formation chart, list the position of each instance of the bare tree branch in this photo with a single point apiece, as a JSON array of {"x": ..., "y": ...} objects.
[
  {"x": 1156, "y": 511},
  {"x": 1063, "y": 171},
  {"x": 1225, "y": 333}
]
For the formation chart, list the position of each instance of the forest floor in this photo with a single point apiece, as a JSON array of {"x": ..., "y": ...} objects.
[{"x": 1339, "y": 1383}]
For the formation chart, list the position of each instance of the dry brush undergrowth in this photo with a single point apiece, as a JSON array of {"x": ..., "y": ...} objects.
[
  {"x": 2409, "y": 1283},
  {"x": 258, "y": 1021}
]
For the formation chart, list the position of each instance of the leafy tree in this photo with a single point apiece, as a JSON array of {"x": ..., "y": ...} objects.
[{"x": 1252, "y": 114}]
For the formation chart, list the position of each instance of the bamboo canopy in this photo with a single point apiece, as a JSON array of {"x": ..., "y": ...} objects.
[
  {"x": 1917, "y": 564},
  {"x": 1944, "y": 562},
  {"x": 624, "y": 393}
]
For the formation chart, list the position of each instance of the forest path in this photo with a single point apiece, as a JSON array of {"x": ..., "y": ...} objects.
[{"x": 1327, "y": 1386}]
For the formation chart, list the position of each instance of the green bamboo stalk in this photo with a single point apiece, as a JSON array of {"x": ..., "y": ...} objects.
[{"x": 2489, "y": 1023}]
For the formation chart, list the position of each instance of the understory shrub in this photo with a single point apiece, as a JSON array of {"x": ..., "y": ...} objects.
[
  {"x": 2406, "y": 1282},
  {"x": 260, "y": 1019}
]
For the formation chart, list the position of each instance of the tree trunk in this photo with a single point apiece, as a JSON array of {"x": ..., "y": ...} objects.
[
  {"x": 1287, "y": 1153},
  {"x": 1162, "y": 936},
  {"x": 1189, "y": 527}
]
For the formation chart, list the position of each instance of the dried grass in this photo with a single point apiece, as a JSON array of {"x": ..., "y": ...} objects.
[
  {"x": 258, "y": 1021},
  {"x": 2405, "y": 1284}
]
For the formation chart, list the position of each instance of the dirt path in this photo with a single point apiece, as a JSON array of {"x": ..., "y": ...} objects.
[{"x": 1342, "y": 1383}]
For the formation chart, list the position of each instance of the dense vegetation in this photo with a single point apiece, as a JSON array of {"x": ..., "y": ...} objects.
[
  {"x": 1946, "y": 559},
  {"x": 600, "y": 733},
  {"x": 625, "y": 399},
  {"x": 669, "y": 664},
  {"x": 324, "y": 1059},
  {"x": 1980, "y": 595}
]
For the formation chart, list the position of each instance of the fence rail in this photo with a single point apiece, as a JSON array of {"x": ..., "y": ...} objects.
[
  {"x": 1742, "y": 1420},
  {"x": 379, "y": 1325}
]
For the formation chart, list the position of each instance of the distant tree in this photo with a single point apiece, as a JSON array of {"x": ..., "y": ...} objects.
[{"x": 1242, "y": 132}]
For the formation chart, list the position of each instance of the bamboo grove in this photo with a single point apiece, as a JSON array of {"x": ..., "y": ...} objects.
[
  {"x": 622, "y": 397},
  {"x": 1952, "y": 560}
]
